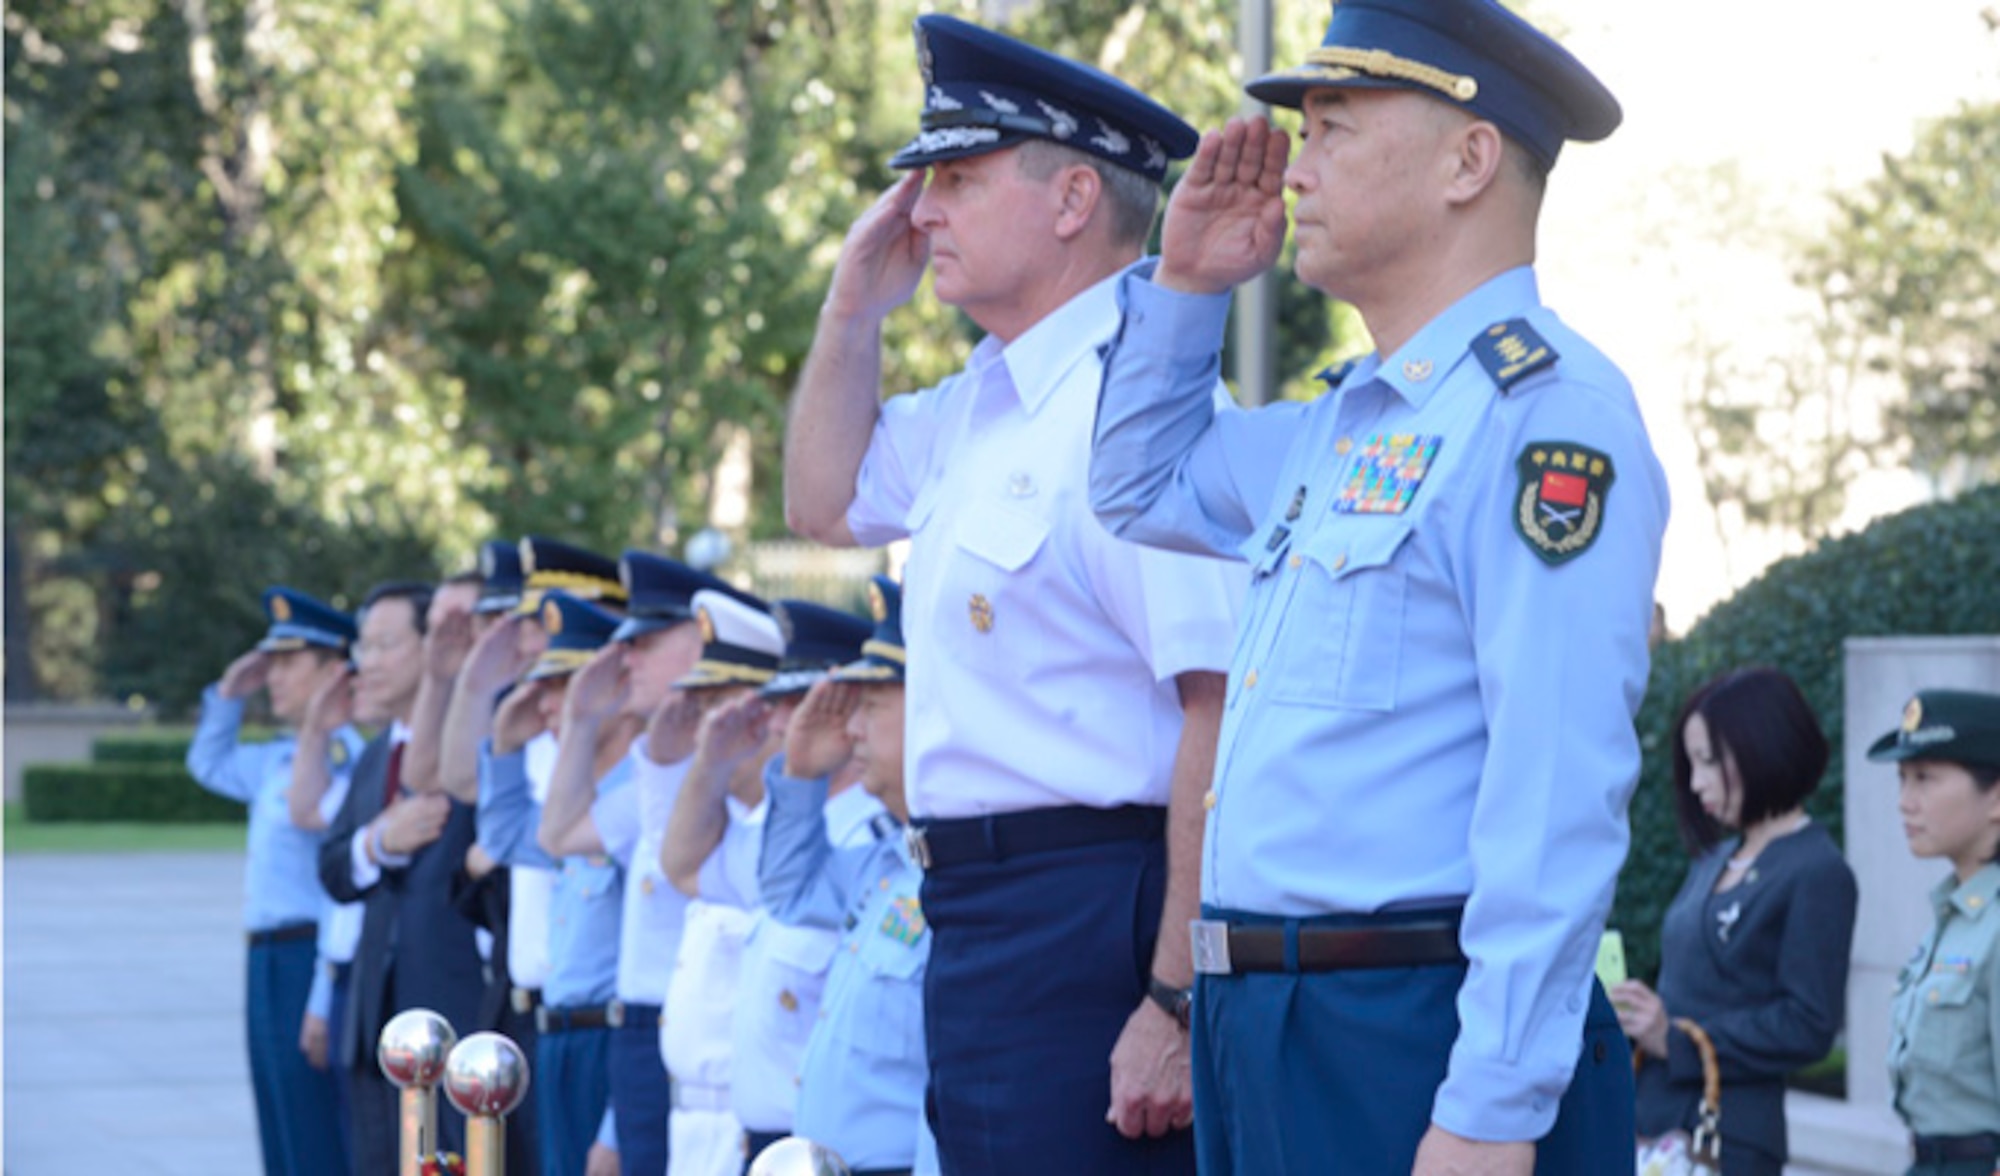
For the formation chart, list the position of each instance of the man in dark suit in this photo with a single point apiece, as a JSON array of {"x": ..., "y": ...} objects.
[{"x": 396, "y": 852}]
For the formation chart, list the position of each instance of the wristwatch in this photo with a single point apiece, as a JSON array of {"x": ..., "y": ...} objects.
[{"x": 1175, "y": 1002}]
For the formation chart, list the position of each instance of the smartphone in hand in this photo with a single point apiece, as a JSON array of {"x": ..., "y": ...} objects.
[{"x": 1611, "y": 960}]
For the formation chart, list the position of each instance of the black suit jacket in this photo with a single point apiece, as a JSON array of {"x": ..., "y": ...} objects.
[
  {"x": 1763, "y": 968},
  {"x": 416, "y": 950}
]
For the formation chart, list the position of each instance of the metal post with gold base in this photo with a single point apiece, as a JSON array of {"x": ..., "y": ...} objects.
[
  {"x": 412, "y": 1056},
  {"x": 486, "y": 1077}
]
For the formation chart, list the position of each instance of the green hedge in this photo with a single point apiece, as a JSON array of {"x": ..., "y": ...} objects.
[
  {"x": 158, "y": 745},
  {"x": 1931, "y": 570},
  {"x": 122, "y": 792}
]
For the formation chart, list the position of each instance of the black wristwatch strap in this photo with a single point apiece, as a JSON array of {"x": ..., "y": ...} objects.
[{"x": 1175, "y": 1002}]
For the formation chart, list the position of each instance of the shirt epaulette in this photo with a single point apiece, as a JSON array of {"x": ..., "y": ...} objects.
[{"x": 1511, "y": 351}]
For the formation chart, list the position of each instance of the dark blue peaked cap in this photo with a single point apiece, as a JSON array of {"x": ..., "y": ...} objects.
[
  {"x": 577, "y": 629},
  {"x": 299, "y": 621},
  {"x": 500, "y": 575},
  {"x": 1473, "y": 54},
  {"x": 661, "y": 592},
  {"x": 883, "y": 655},
  {"x": 984, "y": 91},
  {"x": 547, "y": 565},
  {"x": 817, "y": 639}
]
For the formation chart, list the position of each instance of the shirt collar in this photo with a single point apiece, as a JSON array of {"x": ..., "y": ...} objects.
[
  {"x": 1419, "y": 367},
  {"x": 399, "y": 733},
  {"x": 1972, "y": 898},
  {"x": 1041, "y": 356}
]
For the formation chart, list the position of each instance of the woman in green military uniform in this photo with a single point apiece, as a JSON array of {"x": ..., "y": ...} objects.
[{"x": 1944, "y": 1041}]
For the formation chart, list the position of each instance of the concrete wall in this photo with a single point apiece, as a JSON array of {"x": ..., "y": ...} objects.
[
  {"x": 43, "y": 733},
  {"x": 1863, "y": 1135}
]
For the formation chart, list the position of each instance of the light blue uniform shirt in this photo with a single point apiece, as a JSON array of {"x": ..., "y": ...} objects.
[
  {"x": 281, "y": 868},
  {"x": 1420, "y": 709},
  {"x": 861, "y": 1084},
  {"x": 589, "y": 895}
]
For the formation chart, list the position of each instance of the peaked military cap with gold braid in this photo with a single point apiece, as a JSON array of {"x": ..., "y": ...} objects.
[
  {"x": 1473, "y": 54},
  {"x": 299, "y": 621},
  {"x": 577, "y": 629},
  {"x": 547, "y": 564},
  {"x": 500, "y": 577},
  {"x": 741, "y": 644},
  {"x": 661, "y": 592},
  {"x": 817, "y": 639},
  {"x": 882, "y": 655}
]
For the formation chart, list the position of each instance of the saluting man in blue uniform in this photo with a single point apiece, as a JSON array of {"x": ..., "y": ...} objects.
[
  {"x": 861, "y": 1081},
  {"x": 304, "y": 649},
  {"x": 1419, "y": 805},
  {"x": 574, "y": 1021}
]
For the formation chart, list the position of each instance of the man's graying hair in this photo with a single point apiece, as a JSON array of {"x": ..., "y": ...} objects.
[{"x": 1133, "y": 199}]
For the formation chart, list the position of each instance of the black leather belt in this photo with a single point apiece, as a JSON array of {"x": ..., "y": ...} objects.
[
  {"x": 288, "y": 934},
  {"x": 1222, "y": 949},
  {"x": 940, "y": 845},
  {"x": 620, "y": 1015},
  {"x": 1940, "y": 1149},
  {"x": 549, "y": 1019}
]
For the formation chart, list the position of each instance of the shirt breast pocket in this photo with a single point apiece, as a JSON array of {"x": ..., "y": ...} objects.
[
  {"x": 996, "y": 545},
  {"x": 1950, "y": 1029},
  {"x": 1341, "y": 644},
  {"x": 887, "y": 995}
]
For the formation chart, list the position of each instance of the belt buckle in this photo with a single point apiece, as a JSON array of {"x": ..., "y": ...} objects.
[
  {"x": 919, "y": 847},
  {"x": 1209, "y": 940},
  {"x": 541, "y": 1018},
  {"x": 522, "y": 999},
  {"x": 614, "y": 1014}
]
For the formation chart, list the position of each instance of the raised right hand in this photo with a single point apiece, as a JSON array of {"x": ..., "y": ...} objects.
[
  {"x": 332, "y": 705},
  {"x": 670, "y": 732},
  {"x": 519, "y": 719},
  {"x": 413, "y": 822},
  {"x": 245, "y": 676},
  {"x": 598, "y": 690},
  {"x": 1226, "y": 221},
  {"x": 447, "y": 643},
  {"x": 884, "y": 256},
  {"x": 734, "y": 731},
  {"x": 495, "y": 659},
  {"x": 816, "y": 740}
]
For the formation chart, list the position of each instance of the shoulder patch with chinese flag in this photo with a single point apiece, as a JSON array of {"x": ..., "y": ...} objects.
[{"x": 1559, "y": 506}]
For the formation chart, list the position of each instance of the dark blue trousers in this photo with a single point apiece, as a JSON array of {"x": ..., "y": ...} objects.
[
  {"x": 298, "y": 1118},
  {"x": 642, "y": 1096},
  {"x": 343, "y": 1081},
  {"x": 571, "y": 1086},
  {"x": 1036, "y": 963},
  {"x": 1334, "y": 1074}
]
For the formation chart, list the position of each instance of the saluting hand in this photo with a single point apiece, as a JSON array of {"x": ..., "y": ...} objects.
[
  {"x": 884, "y": 256},
  {"x": 670, "y": 732},
  {"x": 332, "y": 705},
  {"x": 245, "y": 676},
  {"x": 816, "y": 742},
  {"x": 447, "y": 643},
  {"x": 495, "y": 659},
  {"x": 1226, "y": 221},
  {"x": 598, "y": 690},
  {"x": 519, "y": 719},
  {"x": 734, "y": 731}
]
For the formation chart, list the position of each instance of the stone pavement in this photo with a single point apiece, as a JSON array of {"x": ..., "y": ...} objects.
[{"x": 123, "y": 1030}]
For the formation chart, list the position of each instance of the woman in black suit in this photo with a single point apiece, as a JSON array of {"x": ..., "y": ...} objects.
[{"x": 1754, "y": 948}]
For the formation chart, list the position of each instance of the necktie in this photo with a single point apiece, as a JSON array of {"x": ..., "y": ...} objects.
[{"x": 392, "y": 782}]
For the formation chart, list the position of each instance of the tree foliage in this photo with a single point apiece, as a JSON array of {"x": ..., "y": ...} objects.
[{"x": 313, "y": 292}]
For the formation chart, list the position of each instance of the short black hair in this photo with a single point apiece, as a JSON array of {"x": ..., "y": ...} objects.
[
  {"x": 1759, "y": 721},
  {"x": 417, "y": 592},
  {"x": 473, "y": 577}
]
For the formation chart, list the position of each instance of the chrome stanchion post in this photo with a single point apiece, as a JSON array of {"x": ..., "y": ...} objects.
[
  {"x": 412, "y": 1055},
  {"x": 486, "y": 1077},
  {"x": 798, "y": 1156}
]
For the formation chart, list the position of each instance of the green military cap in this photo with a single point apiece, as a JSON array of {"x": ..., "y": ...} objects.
[{"x": 1962, "y": 726}]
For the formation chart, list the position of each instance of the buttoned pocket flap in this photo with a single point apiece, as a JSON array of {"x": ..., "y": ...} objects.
[
  {"x": 1347, "y": 551},
  {"x": 1002, "y": 536},
  {"x": 808, "y": 950}
]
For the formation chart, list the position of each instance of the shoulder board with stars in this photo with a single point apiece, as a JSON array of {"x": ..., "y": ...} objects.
[{"x": 1512, "y": 351}]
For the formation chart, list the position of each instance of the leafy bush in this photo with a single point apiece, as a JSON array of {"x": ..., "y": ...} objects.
[
  {"x": 1931, "y": 570},
  {"x": 127, "y": 791},
  {"x": 161, "y": 745}
]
